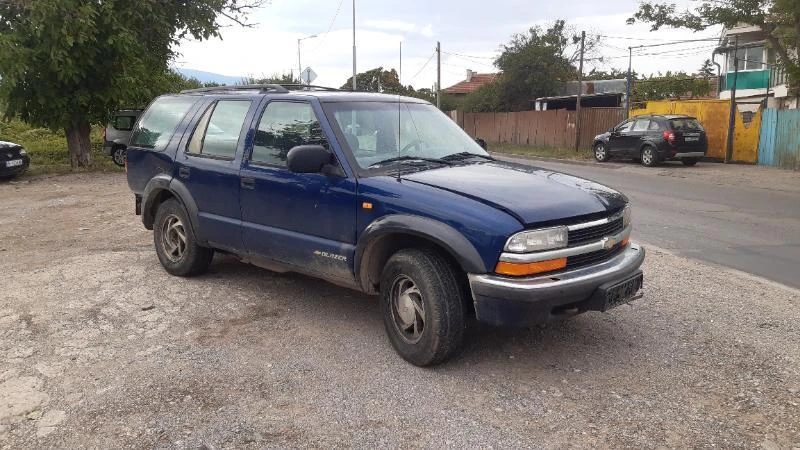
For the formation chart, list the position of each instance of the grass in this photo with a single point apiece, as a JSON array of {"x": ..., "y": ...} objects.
[
  {"x": 526, "y": 150},
  {"x": 48, "y": 149}
]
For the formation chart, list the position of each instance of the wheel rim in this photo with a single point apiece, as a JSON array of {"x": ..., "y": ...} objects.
[
  {"x": 173, "y": 238},
  {"x": 647, "y": 156},
  {"x": 408, "y": 309},
  {"x": 600, "y": 152},
  {"x": 119, "y": 156}
]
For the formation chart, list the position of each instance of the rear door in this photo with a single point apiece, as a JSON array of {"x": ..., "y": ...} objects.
[
  {"x": 689, "y": 134},
  {"x": 307, "y": 220},
  {"x": 208, "y": 165}
]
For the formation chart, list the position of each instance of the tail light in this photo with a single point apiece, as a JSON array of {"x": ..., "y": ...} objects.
[{"x": 669, "y": 136}]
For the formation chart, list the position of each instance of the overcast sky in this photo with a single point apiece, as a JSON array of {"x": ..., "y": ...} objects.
[{"x": 470, "y": 31}]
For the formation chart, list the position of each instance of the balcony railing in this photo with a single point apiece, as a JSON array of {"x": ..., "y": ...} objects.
[{"x": 777, "y": 76}]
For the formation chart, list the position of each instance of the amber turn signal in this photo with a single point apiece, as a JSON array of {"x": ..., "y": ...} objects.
[
  {"x": 520, "y": 269},
  {"x": 624, "y": 242}
]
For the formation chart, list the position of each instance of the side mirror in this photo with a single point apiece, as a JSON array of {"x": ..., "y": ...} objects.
[
  {"x": 308, "y": 158},
  {"x": 482, "y": 143},
  {"x": 612, "y": 129}
]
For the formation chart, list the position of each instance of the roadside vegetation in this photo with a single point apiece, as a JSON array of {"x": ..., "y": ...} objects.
[{"x": 527, "y": 150}]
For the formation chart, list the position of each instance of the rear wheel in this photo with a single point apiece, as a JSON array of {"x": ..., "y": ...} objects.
[
  {"x": 689, "y": 161},
  {"x": 422, "y": 307},
  {"x": 119, "y": 155},
  {"x": 176, "y": 245},
  {"x": 601, "y": 152},
  {"x": 649, "y": 156}
]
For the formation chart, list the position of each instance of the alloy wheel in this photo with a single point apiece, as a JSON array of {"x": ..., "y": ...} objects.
[
  {"x": 173, "y": 238},
  {"x": 408, "y": 309},
  {"x": 600, "y": 152}
]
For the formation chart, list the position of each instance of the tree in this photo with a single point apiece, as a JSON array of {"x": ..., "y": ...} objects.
[
  {"x": 707, "y": 70},
  {"x": 780, "y": 20},
  {"x": 275, "y": 78},
  {"x": 613, "y": 74},
  {"x": 69, "y": 63},
  {"x": 376, "y": 80}
]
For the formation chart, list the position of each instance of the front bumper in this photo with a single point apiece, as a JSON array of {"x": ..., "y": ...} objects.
[{"x": 526, "y": 301}]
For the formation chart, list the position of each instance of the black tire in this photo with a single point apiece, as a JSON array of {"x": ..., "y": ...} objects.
[
  {"x": 600, "y": 150},
  {"x": 689, "y": 161},
  {"x": 190, "y": 258},
  {"x": 118, "y": 155},
  {"x": 438, "y": 329},
  {"x": 649, "y": 156}
]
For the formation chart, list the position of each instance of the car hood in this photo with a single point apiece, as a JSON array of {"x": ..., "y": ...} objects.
[{"x": 532, "y": 195}]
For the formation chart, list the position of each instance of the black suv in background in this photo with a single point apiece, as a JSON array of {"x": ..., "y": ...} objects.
[
  {"x": 13, "y": 160},
  {"x": 653, "y": 139},
  {"x": 117, "y": 132}
]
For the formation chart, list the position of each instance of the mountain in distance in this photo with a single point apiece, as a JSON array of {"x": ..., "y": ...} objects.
[{"x": 207, "y": 77}]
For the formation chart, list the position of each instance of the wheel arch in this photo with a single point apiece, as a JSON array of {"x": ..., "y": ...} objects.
[
  {"x": 385, "y": 236},
  {"x": 161, "y": 188}
]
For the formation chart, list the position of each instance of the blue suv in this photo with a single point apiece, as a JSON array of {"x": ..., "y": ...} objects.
[{"x": 382, "y": 194}]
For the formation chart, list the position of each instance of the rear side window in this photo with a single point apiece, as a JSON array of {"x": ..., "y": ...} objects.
[
  {"x": 159, "y": 122},
  {"x": 217, "y": 133},
  {"x": 654, "y": 126},
  {"x": 282, "y": 126},
  {"x": 124, "y": 123},
  {"x": 685, "y": 125}
]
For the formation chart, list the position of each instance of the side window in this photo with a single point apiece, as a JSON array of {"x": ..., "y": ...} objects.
[
  {"x": 217, "y": 133},
  {"x": 654, "y": 126},
  {"x": 124, "y": 123},
  {"x": 285, "y": 125},
  {"x": 625, "y": 127},
  {"x": 159, "y": 122},
  {"x": 641, "y": 125}
]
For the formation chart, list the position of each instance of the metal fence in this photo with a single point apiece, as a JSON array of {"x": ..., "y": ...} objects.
[
  {"x": 551, "y": 129},
  {"x": 780, "y": 139}
]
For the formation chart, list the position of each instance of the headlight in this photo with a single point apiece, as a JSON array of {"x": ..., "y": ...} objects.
[
  {"x": 537, "y": 240},
  {"x": 626, "y": 216}
]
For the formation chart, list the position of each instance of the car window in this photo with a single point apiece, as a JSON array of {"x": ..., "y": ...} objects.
[
  {"x": 285, "y": 125},
  {"x": 641, "y": 125},
  {"x": 217, "y": 133},
  {"x": 124, "y": 123},
  {"x": 685, "y": 125},
  {"x": 625, "y": 127},
  {"x": 654, "y": 126},
  {"x": 159, "y": 122}
]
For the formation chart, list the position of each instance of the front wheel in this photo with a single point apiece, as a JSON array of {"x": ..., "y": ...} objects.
[
  {"x": 689, "y": 161},
  {"x": 119, "y": 155},
  {"x": 601, "y": 152},
  {"x": 175, "y": 243},
  {"x": 649, "y": 157},
  {"x": 422, "y": 306}
]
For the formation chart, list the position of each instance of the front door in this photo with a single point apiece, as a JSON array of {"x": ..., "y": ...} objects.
[
  {"x": 209, "y": 168},
  {"x": 619, "y": 142},
  {"x": 305, "y": 220}
]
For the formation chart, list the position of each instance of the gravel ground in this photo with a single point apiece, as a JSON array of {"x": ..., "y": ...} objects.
[{"x": 101, "y": 348}]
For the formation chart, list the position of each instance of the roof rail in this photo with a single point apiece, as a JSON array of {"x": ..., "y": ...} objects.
[{"x": 264, "y": 88}]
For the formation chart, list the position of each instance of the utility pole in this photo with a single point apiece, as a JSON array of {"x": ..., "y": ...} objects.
[
  {"x": 400, "y": 67},
  {"x": 580, "y": 92},
  {"x": 354, "y": 46},
  {"x": 299, "y": 66},
  {"x": 629, "y": 84},
  {"x": 438, "y": 75},
  {"x": 732, "y": 114}
]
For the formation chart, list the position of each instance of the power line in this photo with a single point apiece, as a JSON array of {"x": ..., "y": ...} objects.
[
  {"x": 422, "y": 68},
  {"x": 645, "y": 39},
  {"x": 469, "y": 60},
  {"x": 330, "y": 26},
  {"x": 469, "y": 56}
]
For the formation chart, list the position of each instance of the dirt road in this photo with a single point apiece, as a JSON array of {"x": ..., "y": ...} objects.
[{"x": 101, "y": 348}]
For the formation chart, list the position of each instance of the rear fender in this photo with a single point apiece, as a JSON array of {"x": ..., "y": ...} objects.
[{"x": 153, "y": 194}]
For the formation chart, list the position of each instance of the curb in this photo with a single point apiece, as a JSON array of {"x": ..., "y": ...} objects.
[{"x": 575, "y": 162}]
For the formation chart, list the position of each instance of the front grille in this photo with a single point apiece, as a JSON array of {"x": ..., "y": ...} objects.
[
  {"x": 595, "y": 233},
  {"x": 587, "y": 259}
]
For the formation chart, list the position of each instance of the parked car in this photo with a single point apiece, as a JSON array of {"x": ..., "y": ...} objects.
[
  {"x": 117, "y": 132},
  {"x": 13, "y": 159},
  {"x": 384, "y": 195},
  {"x": 653, "y": 139}
]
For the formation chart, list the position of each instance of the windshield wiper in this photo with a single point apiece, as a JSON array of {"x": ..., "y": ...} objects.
[
  {"x": 464, "y": 155},
  {"x": 410, "y": 158}
]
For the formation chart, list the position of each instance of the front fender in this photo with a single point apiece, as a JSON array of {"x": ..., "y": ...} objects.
[{"x": 426, "y": 229}]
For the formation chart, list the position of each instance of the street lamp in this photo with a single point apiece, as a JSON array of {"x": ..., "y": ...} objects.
[{"x": 300, "y": 66}]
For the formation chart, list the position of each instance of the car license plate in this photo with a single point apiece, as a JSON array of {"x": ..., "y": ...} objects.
[
  {"x": 14, "y": 163},
  {"x": 622, "y": 292},
  {"x": 692, "y": 139}
]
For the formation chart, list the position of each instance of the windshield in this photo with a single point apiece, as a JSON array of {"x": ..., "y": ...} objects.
[{"x": 379, "y": 131}]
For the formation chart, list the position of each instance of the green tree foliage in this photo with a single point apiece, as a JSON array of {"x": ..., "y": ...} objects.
[
  {"x": 613, "y": 74},
  {"x": 65, "y": 64},
  {"x": 780, "y": 20},
  {"x": 670, "y": 86},
  {"x": 376, "y": 80},
  {"x": 275, "y": 78}
]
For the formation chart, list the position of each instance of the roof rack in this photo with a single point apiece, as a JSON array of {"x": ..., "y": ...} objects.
[{"x": 263, "y": 88}]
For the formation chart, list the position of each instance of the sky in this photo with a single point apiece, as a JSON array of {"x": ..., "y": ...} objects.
[{"x": 470, "y": 32}]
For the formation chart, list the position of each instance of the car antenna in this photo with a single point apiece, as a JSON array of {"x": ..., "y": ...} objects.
[{"x": 399, "y": 77}]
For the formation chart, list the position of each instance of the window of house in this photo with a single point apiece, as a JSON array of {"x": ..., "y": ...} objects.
[
  {"x": 750, "y": 58},
  {"x": 285, "y": 125},
  {"x": 217, "y": 133}
]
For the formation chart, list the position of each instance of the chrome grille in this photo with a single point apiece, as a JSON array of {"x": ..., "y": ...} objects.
[
  {"x": 587, "y": 259},
  {"x": 595, "y": 233}
]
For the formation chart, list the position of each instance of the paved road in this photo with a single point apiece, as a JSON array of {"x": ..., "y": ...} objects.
[{"x": 712, "y": 212}]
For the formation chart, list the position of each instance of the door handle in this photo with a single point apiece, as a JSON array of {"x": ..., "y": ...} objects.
[
  {"x": 248, "y": 183},
  {"x": 183, "y": 172}
]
